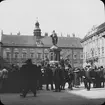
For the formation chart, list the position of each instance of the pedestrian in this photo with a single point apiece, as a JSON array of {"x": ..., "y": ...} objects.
[
  {"x": 76, "y": 78},
  {"x": 88, "y": 78},
  {"x": 57, "y": 78},
  {"x": 28, "y": 74},
  {"x": 49, "y": 77},
  {"x": 63, "y": 76},
  {"x": 70, "y": 77},
  {"x": 3, "y": 75},
  {"x": 39, "y": 80}
]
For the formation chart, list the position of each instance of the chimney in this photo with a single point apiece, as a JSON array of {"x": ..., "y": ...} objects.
[
  {"x": 11, "y": 33},
  {"x": 18, "y": 33},
  {"x": 46, "y": 34},
  {"x": 67, "y": 35},
  {"x": 73, "y": 35}
]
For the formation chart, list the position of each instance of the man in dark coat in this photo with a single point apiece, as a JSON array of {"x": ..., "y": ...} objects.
[
  {"x": 57, "y": 78},
  {"x": 28, "y": 74},
  {"x": 63, "y": 75},
  {"x": 39, "y": 81},
  {"x": 70, "y": 78},
  {"x": 87, "y": 78},
  {"x": 49, "y": 77}
]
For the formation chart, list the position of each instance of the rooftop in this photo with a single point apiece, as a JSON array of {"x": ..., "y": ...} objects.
[
  {"x": 100, "y": 28},
  {"x": 25, "y": 40}
]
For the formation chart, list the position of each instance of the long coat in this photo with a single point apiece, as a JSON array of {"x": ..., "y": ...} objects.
[
  {"x": 28, "y": 74},
  {"x": 76, "y": 78},
  {"x": 57, "y": 75}
]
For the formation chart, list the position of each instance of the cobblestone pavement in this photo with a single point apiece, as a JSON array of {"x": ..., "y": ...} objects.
[{"x": 77, "y": 96}]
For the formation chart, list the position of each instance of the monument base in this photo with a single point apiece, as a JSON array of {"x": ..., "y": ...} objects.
[{"x": 55, "y": 53}]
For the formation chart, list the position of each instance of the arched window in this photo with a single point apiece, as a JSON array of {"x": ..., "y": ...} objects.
[
  {"x": 8, "y": 53},
  {"x": 24, "y": 53},
  {"x": 32, "y": 53},
  {"x": 16, "y": 53},
  {"x": 75, "y": 55},
  {"x": 39, "y": 55}
]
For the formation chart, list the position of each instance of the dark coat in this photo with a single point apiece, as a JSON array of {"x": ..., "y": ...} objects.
[
  {"x": 28, "y": 73},
  {"x": 58, "y": 75},
  {"x": 49, "y": 74},
  {"x": 39, "y": 72}
]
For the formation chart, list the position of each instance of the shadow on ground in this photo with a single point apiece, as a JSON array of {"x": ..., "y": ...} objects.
[{"x": 49, "y": 98}]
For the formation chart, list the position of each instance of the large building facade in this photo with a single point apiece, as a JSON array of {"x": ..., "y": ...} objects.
[
  {"x": 16, "y": 49},
  {"x": 94, "y": 47}
]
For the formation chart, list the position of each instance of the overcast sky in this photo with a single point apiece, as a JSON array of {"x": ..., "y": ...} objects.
[{"x": 63, "y": 16}]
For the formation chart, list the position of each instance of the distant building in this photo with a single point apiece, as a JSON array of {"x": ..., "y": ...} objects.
[
  {"x": 16, "y": 49},
  {"x": 94, "y": 47}
]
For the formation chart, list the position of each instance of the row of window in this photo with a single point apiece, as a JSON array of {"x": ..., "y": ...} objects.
[
  {"x": 24, "y": 55},
  {"x": 24, "y": 50},
  {"x": 39, "y": 55},
  {"x": 75, "y": 56},
  {"x": 94, "y": 52}
]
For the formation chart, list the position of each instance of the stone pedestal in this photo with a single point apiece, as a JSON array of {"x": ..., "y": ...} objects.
[{"x": 55, "y": 53}]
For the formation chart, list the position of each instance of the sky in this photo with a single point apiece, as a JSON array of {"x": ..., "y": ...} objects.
[{"x": 63, "y": 16}]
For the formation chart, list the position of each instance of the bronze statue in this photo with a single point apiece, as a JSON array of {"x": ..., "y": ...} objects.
[{"x": 54, "y": 38}]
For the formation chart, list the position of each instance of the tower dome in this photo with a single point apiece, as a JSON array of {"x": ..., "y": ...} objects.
[
  {"x": 37, "y": 24},
  {"x": 37, "y": 30}
]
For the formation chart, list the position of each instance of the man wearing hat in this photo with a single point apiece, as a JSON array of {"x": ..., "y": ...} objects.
[
  {"x": 49, "y": 77},
  {"x": 28, "y": 74},
  {"x": 57, "y": 78}
]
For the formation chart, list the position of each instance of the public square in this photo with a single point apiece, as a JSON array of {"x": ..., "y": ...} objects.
[
  {"x": 77, "y": 96},
  {"x": 61, "y": 43}
]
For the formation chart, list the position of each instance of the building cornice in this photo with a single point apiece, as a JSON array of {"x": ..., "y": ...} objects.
[
  {"x": 40, "y": 47},
  {"x": 94, "y": 34}
]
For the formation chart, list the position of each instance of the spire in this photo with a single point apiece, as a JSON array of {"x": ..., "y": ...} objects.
[
  {"x": 37, "y": 30},
  {"x": 37, "y": 23}
]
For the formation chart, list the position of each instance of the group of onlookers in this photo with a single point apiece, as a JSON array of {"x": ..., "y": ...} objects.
[
  {"x": 95, "y": 75},
  {"x": 33, "y": 76}
]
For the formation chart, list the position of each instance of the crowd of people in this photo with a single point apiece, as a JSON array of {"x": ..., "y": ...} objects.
[{"x": 55, "y": 76}]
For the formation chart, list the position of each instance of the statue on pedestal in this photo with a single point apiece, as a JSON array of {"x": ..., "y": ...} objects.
[
  {"x": 55, "y": 49},
  {"x": 54, "y": 38}
]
